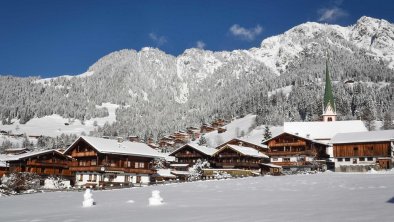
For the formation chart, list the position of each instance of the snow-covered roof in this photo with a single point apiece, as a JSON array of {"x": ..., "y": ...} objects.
[
  {"x": 169, "y": 158},
  {"x": 203, "y": 149},
  {"x": 164, "y": 173},
  {"x": 179, "y": 165},
  {"x": 247, "y": 151},
  {"x": 252, "y": 141},
  {"x": 114, "y": 147},
  {"x": 298, "y": 136},
  {"x": 31, "y": 154},
  {"x": 270, "y": 165},
  {"x": 323, "y": 130},
  {"x": 180, "y": 173},
  {"x": 359, "y": 137},
  {"x": 3, "y": 164}
]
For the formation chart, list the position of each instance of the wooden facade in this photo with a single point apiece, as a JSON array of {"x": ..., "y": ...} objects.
[
  {"x": 377, "y": 149},
  {"x": 355, "y": 153},
  {"x": 189, "y": 155},
  {"x": 106, "y": 168},
  {"x": 291, "y": 150},
  {"x": 49, "y": 163},
  {"x": 228, "y": 158},
  {"x": 87, "y": 158}
]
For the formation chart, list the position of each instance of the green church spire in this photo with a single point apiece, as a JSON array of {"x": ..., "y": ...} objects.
[{"x": 328, "y": 95}]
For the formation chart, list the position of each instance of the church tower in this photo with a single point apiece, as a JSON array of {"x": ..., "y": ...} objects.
[{"x": 329, "y": 109}]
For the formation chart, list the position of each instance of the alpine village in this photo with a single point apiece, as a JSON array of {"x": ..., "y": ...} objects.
[{"x": 300, "y": 147}]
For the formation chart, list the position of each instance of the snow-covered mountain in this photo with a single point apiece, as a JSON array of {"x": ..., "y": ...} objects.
[{"x": 158, "y": 92}]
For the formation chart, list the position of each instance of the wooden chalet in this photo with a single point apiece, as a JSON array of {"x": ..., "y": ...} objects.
[
  {"x": 16, "y": 151},
  {"x": 218, "y": 123},
  {"x": 190, "y": 153},
  {"x": 167, "y": 141},
  {"x": 360, "y": 151},
  {"x": 182, "y": 136},
  {"x": 134, "y": 138},
  {"x": 106, "y": 162},
  {"x": 205, "y": 128},
  {"x": 270, "y": 169},
  {"x": 44, "y": 163},
  {"x": 238, "y": 157},
  {"x": 242, "y": 142},
  {"x": 290, "y": 151},
  {"x": 193, "y": 132}
]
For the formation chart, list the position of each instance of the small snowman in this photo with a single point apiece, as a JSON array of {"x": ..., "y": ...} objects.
[
  {"x": 88, "y": 199},
  {"x": 156, "y": 199}
]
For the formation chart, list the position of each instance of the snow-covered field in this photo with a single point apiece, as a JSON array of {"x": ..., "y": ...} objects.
[
  {"x": 320, "y": 197},
  {"x": 54, "y": 125}
]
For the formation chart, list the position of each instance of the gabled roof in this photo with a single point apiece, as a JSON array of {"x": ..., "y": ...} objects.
[
  {"x": 252, "y": 141},
  {"x": 109, "y": 146},
  {"x": 33, "y": 154},
  {"x": 323, "y": 130},
  {"x": 202, "y": 149},
  {"x": 301, "y": 137},
  {"x": 246, "y": 151},
  {"x": 360, "y": 137}
]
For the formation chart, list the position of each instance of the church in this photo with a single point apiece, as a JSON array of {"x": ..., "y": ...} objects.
[{"x": 306, "y": 145}]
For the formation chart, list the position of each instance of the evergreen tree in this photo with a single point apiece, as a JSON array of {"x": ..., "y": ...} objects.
[
  {"x": 202, "y": 141},
  {"x": 387, "y": 121},
  {"x": 267, "y": 133}
]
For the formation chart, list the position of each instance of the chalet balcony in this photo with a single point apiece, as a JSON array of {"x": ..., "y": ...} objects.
[
  {"x": 301, "y": 163},
  {"x": 47, "y": 164},
  {"x": 290, "y": 153},
  {"x": 299, "y": 143},
  {"x": 83, "y": 154},
  {"x": 74, "y": 167},
  {"x": 229, "y": 155},
  {"x": 190, "y": 155},
  {"x": 238, "y": 164}
]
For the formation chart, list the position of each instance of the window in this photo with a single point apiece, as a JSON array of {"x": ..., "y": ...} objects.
[
  {"x": 286, "y": 159},
  {"x": 347, "y": 159},
  {"x": 80, "y": 177},
  {"x": 128, "y": 163},
  {"x": 90, "y": 178},
  {"x": 274, "y": 159},
  {"x": 142, "y": 165},
  {"x": 94, "y": 177},
  {"x": 93, "y": 162},
  {"x": 139, "y": 164},
  {"x": 340, "y": 159},
  {"x": 354, "y": 160},
  {"x": 136, "y": 165},
  {"x": 370, "y": 158},
  {"x": 362, "y": 158},
  {"x": 126, "y": 178}
]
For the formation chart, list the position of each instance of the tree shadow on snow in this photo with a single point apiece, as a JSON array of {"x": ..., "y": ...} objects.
[{"x": 391, "y": 200}]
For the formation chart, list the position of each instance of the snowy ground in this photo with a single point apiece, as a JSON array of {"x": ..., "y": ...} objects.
[{"x": 321, "y": 197}]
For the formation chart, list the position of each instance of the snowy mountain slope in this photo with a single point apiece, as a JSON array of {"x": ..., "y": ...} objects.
[{"x": 157, "y": 92}]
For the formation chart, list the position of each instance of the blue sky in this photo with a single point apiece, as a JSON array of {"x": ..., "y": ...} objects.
[{"x": 51, "y": 38}]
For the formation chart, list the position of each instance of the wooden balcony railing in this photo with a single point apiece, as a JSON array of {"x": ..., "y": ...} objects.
[
  {"x": 275, "y": 144},
  {"x": 238, "y": 164},
  {"x": 290, "y": 153},
  {"x": 47, "y": 164},
  {"x": 114, "y": 169},
  {"x": 191, "y": 155},
  {"x": 83, "y": 154},
  {"x": 301, "y": 163}
]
